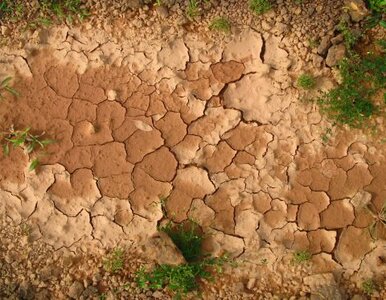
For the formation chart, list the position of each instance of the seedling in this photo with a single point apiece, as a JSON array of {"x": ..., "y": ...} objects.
[
  {"x": 25, "y": 229},
  {"x": 326, "y": 135},
  {"x": 5, "y": 87},
  {"x": 260, "y": 6},
  {"x": 352, "y": 102},
  {"x": 306, "y": 81},
  {"x": 301, "y": 256},
  {"x": 349, "y": 36},
  {"x": 186, "y": 238},
  {"x": 158, "y": 3},
  {"x": 368, "y": 286},
  {"x": 182, "y": 279},
  {"x": 313, "y": 43},
  {"x": 27, "y": 141},
  {"x": 64, "y": 10},
  {"x": 221, "y": 24},
  {"x": 114, "y": 262},
  {"x": 6, "y": 6},
  {"x": 45, "y": 22},
  {"x": 192, "y": 9}
]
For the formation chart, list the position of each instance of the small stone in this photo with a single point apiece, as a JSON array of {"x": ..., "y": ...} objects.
[
  {"x": 157, "y": 295},
  {"x": 356, "y": 9},
  {"x": 251, "y": 283},
  {"x": 335, "y": 54},
  {"x": 4, "y": 30},
  {"x": 76, "y": 290},
  {"x": 162, "y": 11},
  {"x": 337, "y": 39},
  {"x": 111, "y": 95},
  {"x": 325, "y": 43}
]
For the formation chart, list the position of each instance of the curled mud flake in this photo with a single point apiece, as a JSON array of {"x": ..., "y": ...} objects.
[
  {"x": 64, "y": 81},
  {"x": 172, "y": 127},
  {"x": 322, "y": 240},
  {"x": 93, "y": 94},
  {"x": 110, "y": 159},
  {"x": 174, "y": 55},
  {"x": 344, "y": 209},
  {"x": 308, "y": 217},
  {"x": 160, "y": 164},
  {"x": 353, "y": 244},
  {"x": 72, "y": 193},
  {"x": 118, "y": 186},
  {"x": 141, "y": 143},
  {"x": 81, "y": 110},
  {"x": 226, "y": 72}
]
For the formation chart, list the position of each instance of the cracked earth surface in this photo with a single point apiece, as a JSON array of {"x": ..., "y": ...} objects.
[{"x": 217, "y": 129}]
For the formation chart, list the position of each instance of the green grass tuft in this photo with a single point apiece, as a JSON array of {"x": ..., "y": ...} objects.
[
  {"x": 350, "y": 37},
  {"x": 5, "y": 87},
  {"x": 186, "y": 238},
  {"x": 192, "y": 10},
  {"x": 46, "y": 13},
  {"x": 24, "y": 139},
  {"x": 221, "y": 24},
  {"x": 301, "y": 256},
  {"x": 352, "y": 102},
  {"x": 260, "y": 6},
  {"x": 368, "y": 286},
  {"x": 185, "y": 278},
  {"x": 114, "y": 262},
  {"x": 306, "y": 81}
]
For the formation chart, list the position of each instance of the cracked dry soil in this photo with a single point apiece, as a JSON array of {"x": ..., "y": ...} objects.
[{"x": 217, "y": 129}]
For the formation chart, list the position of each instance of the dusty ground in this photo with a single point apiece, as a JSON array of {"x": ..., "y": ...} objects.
[{"x": 213, "y": 124}]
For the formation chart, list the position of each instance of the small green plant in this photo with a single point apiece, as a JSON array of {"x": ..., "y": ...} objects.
[
  {"x": 221, "y": 24},
  {"x": 114, "y": 262},
  {"x": 369, "y": 286},
  {"x": 25, "y": 229},
  {"x": 192, "y": 9},
  {"x": 102, "y": 296},
  {"x": 11, "y": 9},
  {"x": 313, "y": 43},
  {"x": 260, "y": 6},
  {"x": 301, "y": 256},
  {"x": 6, "y": 7},
  {"x": 378, "y": 5},
  {"x": 180, "y": 279},
  {"x": 349, "y": 36},
  {"x": 5, "y": 87},
  {"x": 306, "y": 81},
  {"x": 186, "y": 238},
  {"x": 326, "y": 135},
  {"x": 45, "y": 13},
  {"x": 158, "y": 2},
  {"x": 65, "y": 9},
  {"x": 26, "y": 140},
  {"x": 378, "y": 10},
  {"x": 351, "y": 102},
  {"x": 184, "y": 278}
]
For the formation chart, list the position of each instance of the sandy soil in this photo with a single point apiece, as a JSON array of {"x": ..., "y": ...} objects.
[{"x": 216, "y": 127}]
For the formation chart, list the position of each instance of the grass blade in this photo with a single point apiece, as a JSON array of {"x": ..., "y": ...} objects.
[
  {"x": 5, "y": 82},
  {"x": 12, "y": 91},
  {"x": 34, "y": 163},
  {"x": 6, "y": 149}
]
